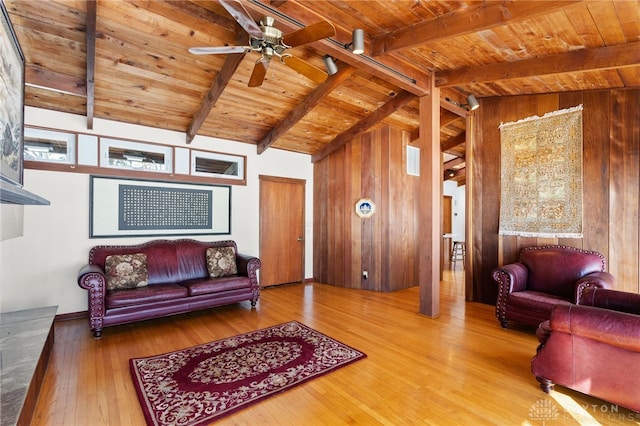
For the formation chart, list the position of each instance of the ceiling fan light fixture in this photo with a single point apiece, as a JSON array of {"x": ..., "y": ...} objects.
[
  {"x": 357, "y": 41},
  {"x": 330, "y": 64}
]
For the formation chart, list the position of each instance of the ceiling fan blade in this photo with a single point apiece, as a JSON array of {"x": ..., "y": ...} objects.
[
  {"x": 313, "y": 32},
  {"x": 221, "y": 50},
  {"x": 258, "y": 73},
  {"x": 237, "y": 10},
  {"x": 311, "y": 72}
]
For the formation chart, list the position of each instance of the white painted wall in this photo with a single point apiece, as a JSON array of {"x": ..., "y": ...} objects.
[
  {"x": 458, "y": 208},
  {"x": 40, "y": 267}
]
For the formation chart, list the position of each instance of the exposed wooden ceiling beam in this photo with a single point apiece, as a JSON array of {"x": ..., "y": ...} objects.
[
  {"x": 417, "y": 83},
  {"x": 457, "y": 175},
  {"x": 91, "y": 59},
  {"x": 456, "y": 109},
  {"x": 445, "y": 120},
  {"x": 491, "y": 14},
  {"x": 447, "y": 117},
  {"x": 397, "y": 102},
  {"x": 453, "y": 163},
  {"x": 602, "y": 58},
  {"x": 223, "y": 77},
  {"x": 297, "y": 113},
  {"x": 453, "y": 142}
]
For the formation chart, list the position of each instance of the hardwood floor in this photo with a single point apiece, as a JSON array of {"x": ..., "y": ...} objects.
[{"x": 460, "y": 368}]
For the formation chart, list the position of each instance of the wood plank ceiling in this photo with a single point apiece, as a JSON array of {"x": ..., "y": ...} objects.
[{"x": 129, "y": 61}]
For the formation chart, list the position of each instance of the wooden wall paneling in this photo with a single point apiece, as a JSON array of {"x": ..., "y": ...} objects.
[
  {"x": 398, "y": 242},
  {"x": 386, "y": 245},
  {"x": 364, "y": 190},
  {"x": 320, "y": 207},
  {"x": 346, "y": 236},
  {"x": 378, "y": 220},
  {"x": 337, "y": 196},
  {"x": 354, "y": 162},
  {"x": 405, "y": 239},
  {"x": 595, "y": 172},
  {"x": 387, "y": 231},
  {"x": 569, "y": 100},
  {"x": 324, "y": 206},
  {"x": 625, "y": 189},
  {"x": 333, "y": 241}
]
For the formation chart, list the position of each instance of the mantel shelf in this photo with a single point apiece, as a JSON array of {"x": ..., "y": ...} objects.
[{"x": 13, "y": 194}]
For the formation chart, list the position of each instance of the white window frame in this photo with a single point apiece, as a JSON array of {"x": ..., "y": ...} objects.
[
  {"x": 413, "y": 160},
  {"x": 217, "y": 156},
  {"x": 69, "y": 139},
  {"x": 167, "y": 151}
]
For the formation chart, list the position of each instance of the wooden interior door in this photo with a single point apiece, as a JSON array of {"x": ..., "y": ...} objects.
[{"x": 281, "y": 230}]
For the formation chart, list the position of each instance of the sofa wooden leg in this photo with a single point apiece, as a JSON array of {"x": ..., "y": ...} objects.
[
  {"x": 545, "y": 384},
  {"x": 504, "y": 323},
  {"x": 97, "y": 333}
]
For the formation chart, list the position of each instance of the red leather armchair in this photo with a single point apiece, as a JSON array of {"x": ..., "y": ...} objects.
[
  {"x": 545, "y": 277},
  {"x": 593, "y": 347}
]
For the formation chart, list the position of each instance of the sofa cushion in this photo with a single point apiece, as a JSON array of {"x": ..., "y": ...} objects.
[
  {"x": 139, "y": 296},
  {"x": 126, "y": 271},
  {"x": 221, "y": 261},
  {"x": 206, "y": 286}
]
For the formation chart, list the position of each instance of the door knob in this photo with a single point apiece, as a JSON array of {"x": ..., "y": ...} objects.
[{"x": 299, "y": 238}]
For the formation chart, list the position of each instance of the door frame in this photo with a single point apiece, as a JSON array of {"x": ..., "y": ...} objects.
[{"x": 291, "y": 181}]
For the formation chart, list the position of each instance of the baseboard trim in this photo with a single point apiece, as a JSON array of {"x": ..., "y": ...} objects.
[{"x": 72, "y": 316}]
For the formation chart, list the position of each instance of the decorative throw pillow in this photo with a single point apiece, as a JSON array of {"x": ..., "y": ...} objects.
[
  {"x": 221, "y": 261},
  {"x": 126, "y": 271}
]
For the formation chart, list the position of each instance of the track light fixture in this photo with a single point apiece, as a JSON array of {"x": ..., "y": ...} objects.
[
  {"x": 330, "y": 64},
  {"x": 357, "y": 42},
  {"x": 471, "y": 105}
]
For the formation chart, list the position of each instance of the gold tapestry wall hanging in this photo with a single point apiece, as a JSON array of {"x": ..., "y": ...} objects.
[{"x": 541, "y": 175}]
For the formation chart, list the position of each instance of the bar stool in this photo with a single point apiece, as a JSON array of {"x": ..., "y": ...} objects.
[{"x": 458, "y": 251}]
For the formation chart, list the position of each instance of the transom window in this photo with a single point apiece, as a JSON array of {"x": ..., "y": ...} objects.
[{"x": 46, "y": 145}]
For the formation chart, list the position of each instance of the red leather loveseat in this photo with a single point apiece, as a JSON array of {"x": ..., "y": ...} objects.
[
  {"x": 545, "y": 277},
  {"x": 165, "y": 277},
  {"x": 593, "y": 347}
]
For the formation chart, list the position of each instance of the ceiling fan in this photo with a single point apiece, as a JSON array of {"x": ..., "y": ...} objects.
[{"x": 269, "y": 41}]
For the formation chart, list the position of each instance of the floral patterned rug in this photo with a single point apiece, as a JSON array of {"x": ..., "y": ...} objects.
[{"x": 198, "y": 385}]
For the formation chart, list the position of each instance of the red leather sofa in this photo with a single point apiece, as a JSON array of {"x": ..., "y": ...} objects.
[
  {"x": 593, "y": 347},
  {"x": 169, "y": 277},
  {"x": 545, "y": 277}
]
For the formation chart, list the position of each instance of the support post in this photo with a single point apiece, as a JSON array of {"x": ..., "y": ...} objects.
[{"x": 430, "y": 203}]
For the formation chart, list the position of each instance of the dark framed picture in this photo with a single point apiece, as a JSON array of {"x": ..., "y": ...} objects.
[
  {"x": 122, "y": 207},
  {"x": 11, "y": 102}
]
